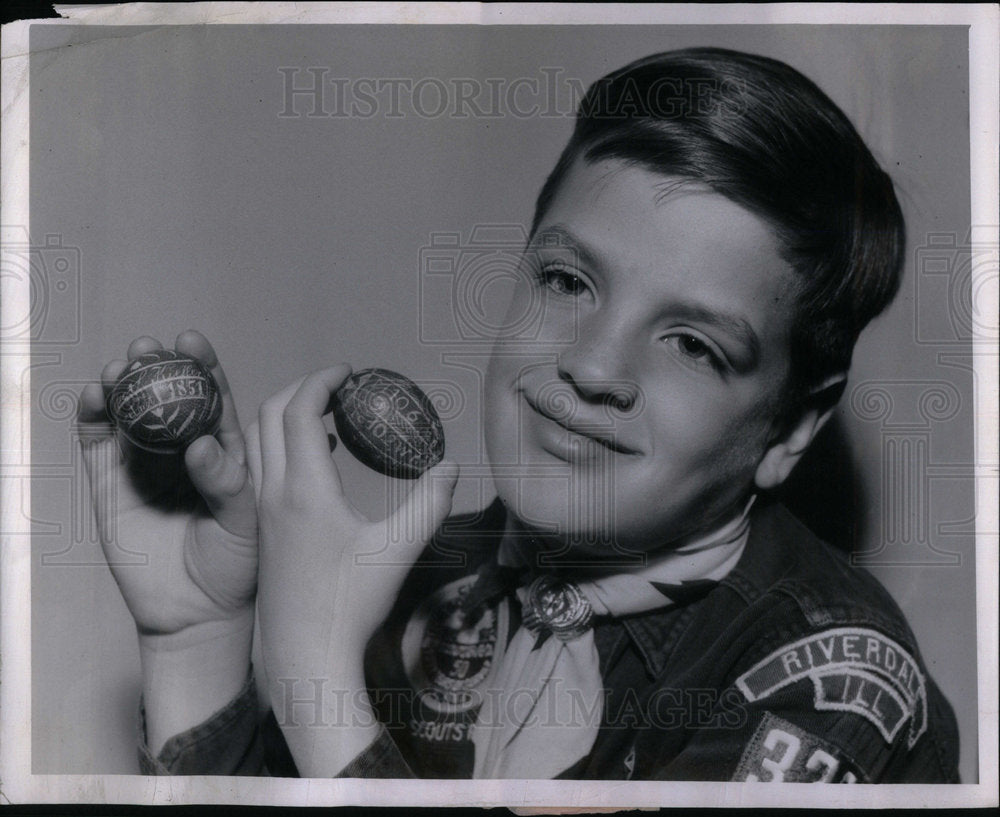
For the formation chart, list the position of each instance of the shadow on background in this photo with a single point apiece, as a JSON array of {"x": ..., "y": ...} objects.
[{"x": 825, "y": 490}]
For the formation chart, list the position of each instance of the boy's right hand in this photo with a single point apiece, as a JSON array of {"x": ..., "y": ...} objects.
[
  {"x": 193, "y": 518},
  {"x": 328, "y": 575}
]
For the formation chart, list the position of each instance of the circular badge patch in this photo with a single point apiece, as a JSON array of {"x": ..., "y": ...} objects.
[{"x": 449, "y": 651}]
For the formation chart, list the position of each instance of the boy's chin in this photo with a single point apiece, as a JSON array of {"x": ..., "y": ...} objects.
[
  {"x": 578, "y": 549},
  {"x": 559, "y": 536}
]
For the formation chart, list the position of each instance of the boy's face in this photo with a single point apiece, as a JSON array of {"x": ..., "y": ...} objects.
[{"x": 640, "y": 407}]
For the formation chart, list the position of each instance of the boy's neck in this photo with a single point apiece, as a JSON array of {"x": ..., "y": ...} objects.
[{"x": 541, "y": 551}]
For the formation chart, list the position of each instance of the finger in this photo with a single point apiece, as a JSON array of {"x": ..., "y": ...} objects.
[
  {"x": 223, "y": 483},
  {"x": 427, "y": 505},
  {"x": 307, "y": 449},
  {"x": 109, "y": 376},
  {"x": 230, "y": 434},
  {"x": 113, "y": 370},
  {"x": 92, "y": 408},
  {"x": 111, "y": 373},
  {"x": 272, "y": 435},
  {"x": 252, "y": 437},
  {"x": 143, "y": 345}
]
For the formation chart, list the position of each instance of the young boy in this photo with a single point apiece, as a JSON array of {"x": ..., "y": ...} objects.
[{"x": 634, "y": 604}]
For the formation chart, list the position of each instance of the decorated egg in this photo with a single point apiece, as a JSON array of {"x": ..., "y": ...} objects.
[
  {"x": 165, "y": 400},
  {"x": 388, "y": 423}
]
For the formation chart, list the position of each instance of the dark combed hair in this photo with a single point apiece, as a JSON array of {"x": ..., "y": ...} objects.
[{"x": 758, "y": 132}]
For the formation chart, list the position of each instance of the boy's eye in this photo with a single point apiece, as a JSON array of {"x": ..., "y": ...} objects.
[
  {"x": 562, "y": 280},
  {"x": 695, "y": 350},
  {"x": 694, "y": 347}
]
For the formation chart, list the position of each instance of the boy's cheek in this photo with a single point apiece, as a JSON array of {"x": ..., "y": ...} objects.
[
  {"x": 535, "y": 324},
  {"x": 496, "y": 389},
  {"x": 698, "y": 459}
]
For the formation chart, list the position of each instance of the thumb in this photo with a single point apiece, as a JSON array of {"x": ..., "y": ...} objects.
[
  {"x": 427, "y": 505},
  {"x": 224, "y": 485}
]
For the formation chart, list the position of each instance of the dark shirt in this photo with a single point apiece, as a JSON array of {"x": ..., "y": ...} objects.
[{"x": 796, "y": 666}]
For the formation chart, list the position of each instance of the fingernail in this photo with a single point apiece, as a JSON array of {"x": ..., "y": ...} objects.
[{"x": 208, "y": 452}]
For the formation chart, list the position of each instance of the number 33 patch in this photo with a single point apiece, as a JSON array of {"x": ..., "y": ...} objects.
[{"x": 781, "y": 752}]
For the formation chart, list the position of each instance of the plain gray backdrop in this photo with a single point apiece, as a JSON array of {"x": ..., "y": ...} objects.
[{"x": 163, "y": 169}]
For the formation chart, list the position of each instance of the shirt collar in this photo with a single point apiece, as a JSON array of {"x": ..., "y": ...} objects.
[
  {"x": 649, "y": 624},
  {"x": 655, "y": 634}
]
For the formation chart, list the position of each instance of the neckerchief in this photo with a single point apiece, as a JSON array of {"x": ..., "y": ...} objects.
[{"x": 545, "y": 710}]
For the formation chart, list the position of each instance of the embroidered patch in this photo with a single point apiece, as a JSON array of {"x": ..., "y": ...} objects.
[
  {"x": 853, "y": 670},
  {"x": 781, "y": 752},
  {"x": 448, "y": 651}
]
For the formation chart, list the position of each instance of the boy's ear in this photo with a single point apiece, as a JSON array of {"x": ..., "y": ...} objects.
[{"x": 788, "y": 448}]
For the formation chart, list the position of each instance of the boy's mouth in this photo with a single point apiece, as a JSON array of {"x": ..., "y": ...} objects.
[{"x": 579, "y": 435}]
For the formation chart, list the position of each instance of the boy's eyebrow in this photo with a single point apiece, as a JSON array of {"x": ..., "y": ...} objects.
[
  {"x": 559, "y": 236},
  {"x": 731, "y": 324}
]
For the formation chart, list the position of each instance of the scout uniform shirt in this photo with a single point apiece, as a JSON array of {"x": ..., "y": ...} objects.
[{"x": 795, "y": 667}]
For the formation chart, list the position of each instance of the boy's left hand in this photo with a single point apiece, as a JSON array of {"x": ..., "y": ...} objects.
[{"x": 328, "y": 575}]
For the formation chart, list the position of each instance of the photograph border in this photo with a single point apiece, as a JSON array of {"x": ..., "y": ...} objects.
[{"x": 19, "y": 785}]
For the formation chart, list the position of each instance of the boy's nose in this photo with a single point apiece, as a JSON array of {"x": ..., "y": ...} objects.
[
  {"x": 618, "y": 395},
  {"x": 597, "y": 368}
]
